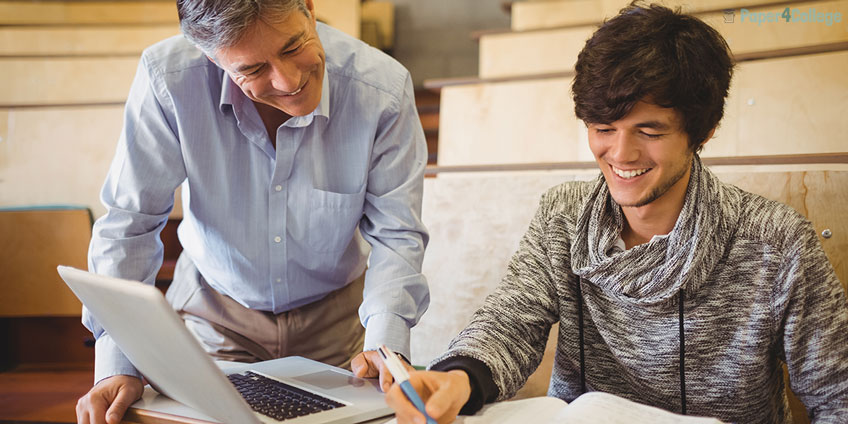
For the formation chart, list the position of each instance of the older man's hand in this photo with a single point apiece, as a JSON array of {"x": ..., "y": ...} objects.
[
  {"x": 108, "y": 400},
  {"x": 369, "y": 364}
]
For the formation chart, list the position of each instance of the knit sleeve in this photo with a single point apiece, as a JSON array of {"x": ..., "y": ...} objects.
[
  {"x": 812, "y": 322},
  {"x": 508, "y": 333}
]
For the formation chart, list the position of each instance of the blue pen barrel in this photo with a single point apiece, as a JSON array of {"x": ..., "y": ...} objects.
[{"x": 412, "y": 395}]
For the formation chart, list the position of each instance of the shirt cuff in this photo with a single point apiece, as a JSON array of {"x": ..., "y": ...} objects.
[
  {"x": 388, "y": 329},
  {"x": 109, "y": 360},
  {"x": 483, "y": 387}
]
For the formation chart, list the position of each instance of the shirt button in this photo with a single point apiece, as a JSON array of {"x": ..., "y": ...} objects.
[
  {"x": 279, "y": 280},
  {"x": 278, "y": 239},
  {"x": 278, "y": 188}
]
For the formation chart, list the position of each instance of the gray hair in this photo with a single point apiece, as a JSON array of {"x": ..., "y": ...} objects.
[{"x": 215, "y": 24}]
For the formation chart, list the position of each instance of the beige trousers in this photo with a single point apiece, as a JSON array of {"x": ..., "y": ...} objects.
[{"x": 327, "y": 330}]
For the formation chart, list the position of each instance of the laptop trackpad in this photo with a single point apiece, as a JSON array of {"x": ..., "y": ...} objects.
[{"x": 329, "y": 380}]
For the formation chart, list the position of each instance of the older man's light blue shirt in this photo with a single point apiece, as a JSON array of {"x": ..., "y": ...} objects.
[{"x": 273, "y": 228}]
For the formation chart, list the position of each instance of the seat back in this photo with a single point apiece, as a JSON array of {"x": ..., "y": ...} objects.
[{"x": 35, "y": 241}]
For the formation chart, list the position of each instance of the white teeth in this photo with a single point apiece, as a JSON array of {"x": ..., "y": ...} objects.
[
  {"x": 294, "y": 92},
  {"x": 629, "y": 174}
]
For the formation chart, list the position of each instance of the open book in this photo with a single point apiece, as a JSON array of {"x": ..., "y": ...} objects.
[{"x": 590, "y": 408}]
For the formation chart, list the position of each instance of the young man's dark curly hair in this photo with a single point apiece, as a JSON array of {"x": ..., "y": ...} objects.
[{"x": 659, "y": 55}]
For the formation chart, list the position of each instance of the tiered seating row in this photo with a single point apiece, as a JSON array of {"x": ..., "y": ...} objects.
[
  {"x": 65, "y": 72},
  {"x": 528, "y": 15},
  {"x": 555, "y": 50},
  {"x": 787, "y": 95}
]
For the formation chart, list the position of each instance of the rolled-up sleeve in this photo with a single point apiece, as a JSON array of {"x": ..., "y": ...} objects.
[{"x": 396, "y": 293}]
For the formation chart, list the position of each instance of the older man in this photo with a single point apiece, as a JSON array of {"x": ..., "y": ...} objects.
[
  {"x": 300, "y": 157},
  {"x": 671, "y": 288}
]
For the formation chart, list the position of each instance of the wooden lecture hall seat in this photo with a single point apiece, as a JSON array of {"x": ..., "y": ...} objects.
[{"x": 45, "y": 360}]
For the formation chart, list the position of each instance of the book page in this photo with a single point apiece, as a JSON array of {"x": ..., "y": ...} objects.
[
  {"x": 524, "y": 411},
  {"x": 604, "y": 408}
]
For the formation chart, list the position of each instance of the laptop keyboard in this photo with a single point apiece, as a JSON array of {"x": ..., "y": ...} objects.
[{"x": 279, "y": 400}]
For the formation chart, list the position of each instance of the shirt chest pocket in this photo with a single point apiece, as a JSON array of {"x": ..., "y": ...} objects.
[{"x": 333, "y": 218}]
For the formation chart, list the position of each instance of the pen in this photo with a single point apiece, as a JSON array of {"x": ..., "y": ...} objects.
[{"x": 402, "y": 377}]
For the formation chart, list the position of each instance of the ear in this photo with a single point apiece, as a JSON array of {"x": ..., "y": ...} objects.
[
  {"x": 310, "y": 5},
  {"x": 708, "y": 138}
]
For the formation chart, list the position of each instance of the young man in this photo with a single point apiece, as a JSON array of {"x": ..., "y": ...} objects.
[
  {"x": 300, "y": 156},
  {"x": 671, "y": 288}
]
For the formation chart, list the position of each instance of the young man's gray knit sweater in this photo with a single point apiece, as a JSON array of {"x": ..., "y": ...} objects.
[{"x": 758, "y": 291}]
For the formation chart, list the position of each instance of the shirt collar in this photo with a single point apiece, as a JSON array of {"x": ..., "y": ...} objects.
[
  {"x": 323, "y": 108},
  {"x": 232, "y": 95},
  {"x": 619, "y": 245}
]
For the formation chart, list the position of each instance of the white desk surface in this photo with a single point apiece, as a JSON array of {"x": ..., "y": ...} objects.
[{"x": 154, "y": 408}]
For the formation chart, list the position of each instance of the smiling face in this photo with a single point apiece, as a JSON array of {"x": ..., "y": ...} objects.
[
  {"x": 279, "y": 62},
  {"x": 645, "y": 157}
]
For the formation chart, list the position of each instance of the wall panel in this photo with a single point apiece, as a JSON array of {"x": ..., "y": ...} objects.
[
  {"x": 87, "y": 13},
  {"x": 57, "y": 155},
  {"x": 65, "y": 81},
  {"x": 109, "y": 40},
  {"x": 790, "y": 105},
  {"x": 510, "y": 122}
]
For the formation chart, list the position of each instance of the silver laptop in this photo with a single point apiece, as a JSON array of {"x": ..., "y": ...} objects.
[{"x": 292, "y": 390}]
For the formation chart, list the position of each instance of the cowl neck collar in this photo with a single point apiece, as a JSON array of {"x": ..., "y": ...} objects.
[{"x": 652, "y": 273}]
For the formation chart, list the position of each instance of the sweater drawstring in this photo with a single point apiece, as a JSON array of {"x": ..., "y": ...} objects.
[
  {"x": 682, "y": 355},
  {"x": 682, "y": 346},
  {"x": 580, "y": 337}
]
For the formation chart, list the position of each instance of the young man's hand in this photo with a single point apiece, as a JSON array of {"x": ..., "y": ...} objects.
[
  {"x": 443, "y": 393},
  {"x": 108, "y": 400}
]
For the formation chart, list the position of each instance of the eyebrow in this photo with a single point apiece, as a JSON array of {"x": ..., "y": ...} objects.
[
  {"x": 294, "y": 39},
  {"x": 655, "y": 125}
]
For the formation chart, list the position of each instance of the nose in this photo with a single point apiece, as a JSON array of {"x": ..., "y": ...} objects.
[
  {"x": 286, "y": 77},
  {"x": 623, "y": 148}
]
